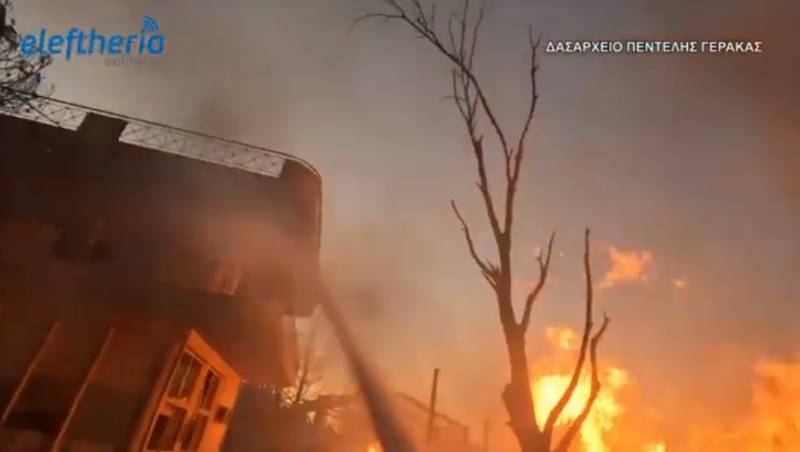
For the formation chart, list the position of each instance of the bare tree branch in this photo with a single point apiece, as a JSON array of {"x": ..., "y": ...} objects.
[
  {"x": 305, "y": 372},
  {"x": 544, "y": 268},
  {"x": 483, "y": 187},
  {"x": 587, "y": 333},
  {"x": 534, "y": 45},
  {"x": 488, "y": 270},
  {"x": 574, "y": 427},
  {"x": 514, "y": 159},
  {"x": 20, "y": 74},
  {"x": 426, "y": 29}
]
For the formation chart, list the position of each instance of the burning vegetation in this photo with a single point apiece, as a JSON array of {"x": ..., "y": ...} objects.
[
  {"x": 772, "y": 423},
  {"x": 566, "y": 399},
  {"x": 554, "y": 377}
]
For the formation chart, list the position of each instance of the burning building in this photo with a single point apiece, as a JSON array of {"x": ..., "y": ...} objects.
[{"x": 146, "y": 274}]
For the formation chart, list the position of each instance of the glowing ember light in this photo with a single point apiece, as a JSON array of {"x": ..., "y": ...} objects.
[
  {"x": 680, "y": 283},
  {"x": 563, "y": 338},
  {"x": 627, "y": 266},
  {"x": 549, "y": 388},
  {"x": 771, "y": 424},
  {"x": 374, "y": 447},
  {"x": 657, "y": 447},
  {"x": 776, "y": 399}
]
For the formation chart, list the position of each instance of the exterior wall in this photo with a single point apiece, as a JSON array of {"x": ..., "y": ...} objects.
[
  {"x": 110, "y": 252},
  {"x": 122, "y": 394},
  {"x": 251, "y": 336},
  {"x": 173, "y": 216},
  {"x": 115, "y": 400},
  {"x": 57, "y": 395},
  {"x": 150, "y": 234}
]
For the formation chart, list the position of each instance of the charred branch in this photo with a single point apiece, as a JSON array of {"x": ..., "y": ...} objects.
[
  {"x": 574, "y": 426},
  {"x": 588, "y": 344},
  {"x": 488, "y": 269},
  {"x": 584, "y": 347},
  {"x": 544, "y": 269}
]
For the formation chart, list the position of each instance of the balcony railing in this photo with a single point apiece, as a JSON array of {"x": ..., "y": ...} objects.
[{"x": 164, "y": 138}]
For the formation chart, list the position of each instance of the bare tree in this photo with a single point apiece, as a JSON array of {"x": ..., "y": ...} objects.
[
  {"x": 306, "y": 384},
  {"x": 20, "y": 74},
  {"x": 457, "y": 42}
]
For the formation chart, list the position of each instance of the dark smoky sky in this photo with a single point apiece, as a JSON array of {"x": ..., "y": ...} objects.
[{"x": 694, "y": 158}]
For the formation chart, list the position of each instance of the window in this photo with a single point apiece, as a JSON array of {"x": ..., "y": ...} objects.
[
  {"x": 210, "y": 387},
  {"x": 193, "y": 433},
  {"x": 166, "y": 429},
  {"x": 185, "y": 377},
  {"x": 158, "y": 432},
  {"x": 184, "y": 413}
]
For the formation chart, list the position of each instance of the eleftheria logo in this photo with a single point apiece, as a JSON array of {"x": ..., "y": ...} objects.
[{"x": 149, "y": 41}]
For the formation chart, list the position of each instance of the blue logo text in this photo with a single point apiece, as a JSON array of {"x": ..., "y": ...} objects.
[{"x": 149, "y": 41}]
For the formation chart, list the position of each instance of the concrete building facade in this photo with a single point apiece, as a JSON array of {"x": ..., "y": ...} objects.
[{"x": 146, "y": 274}]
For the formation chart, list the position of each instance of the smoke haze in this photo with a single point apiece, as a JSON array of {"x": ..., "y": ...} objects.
[{"x": 692, "y": 158}]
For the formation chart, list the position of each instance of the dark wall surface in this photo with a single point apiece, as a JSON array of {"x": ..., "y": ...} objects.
[{"x": 98, "y": 230}]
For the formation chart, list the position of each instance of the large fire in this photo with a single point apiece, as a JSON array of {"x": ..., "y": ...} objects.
[
  {"x": 548, "y": 389},
  {"x": 564, "y": 338},
  {"x": 622, "y": 421},
  {"x": 772, "y": 424},
  {"x": 776, "y": 400},
  {"x": 658, "y": 447}
]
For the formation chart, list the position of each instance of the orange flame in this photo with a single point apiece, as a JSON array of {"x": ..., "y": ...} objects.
[
  {"x": 564, "y": 338},
  {"x": 548, "y": 389},
  {"x": 773, "y": 422},
  {"x": 627, "y": 266},
  {"x": 657, "y": 447},
  {"x": 776, "y": 399}
]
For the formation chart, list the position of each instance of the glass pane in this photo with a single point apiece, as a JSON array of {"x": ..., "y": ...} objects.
[
  {"x": 179, "y": 375},
  {"x": 210, "y": 387},
  {"x": 173, "y": 429},
  {"x": 198, "y": 431},
  {"x": 191, "y": 378},
  {"x": 188, "y": 432},
  {"x": 158, "y": 432}
]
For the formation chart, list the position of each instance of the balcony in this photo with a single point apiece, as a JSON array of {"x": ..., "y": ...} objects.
[
  {"x": 160, "y": 137},
  {"x": 161, "y": 202}
]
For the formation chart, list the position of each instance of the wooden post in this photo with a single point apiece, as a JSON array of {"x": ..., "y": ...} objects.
[
  {"x": 432, "y": 406},
  {"x": 79, "y": 395},
  {"x": 28, "y": 372}
]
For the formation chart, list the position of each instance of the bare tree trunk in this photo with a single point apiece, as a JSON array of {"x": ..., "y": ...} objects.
[
  {"x": 458, "y": 47},
  {"x": 518, "y": 399}
]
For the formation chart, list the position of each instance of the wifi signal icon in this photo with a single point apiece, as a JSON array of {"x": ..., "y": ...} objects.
[{"x": 149, "y": 25}]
